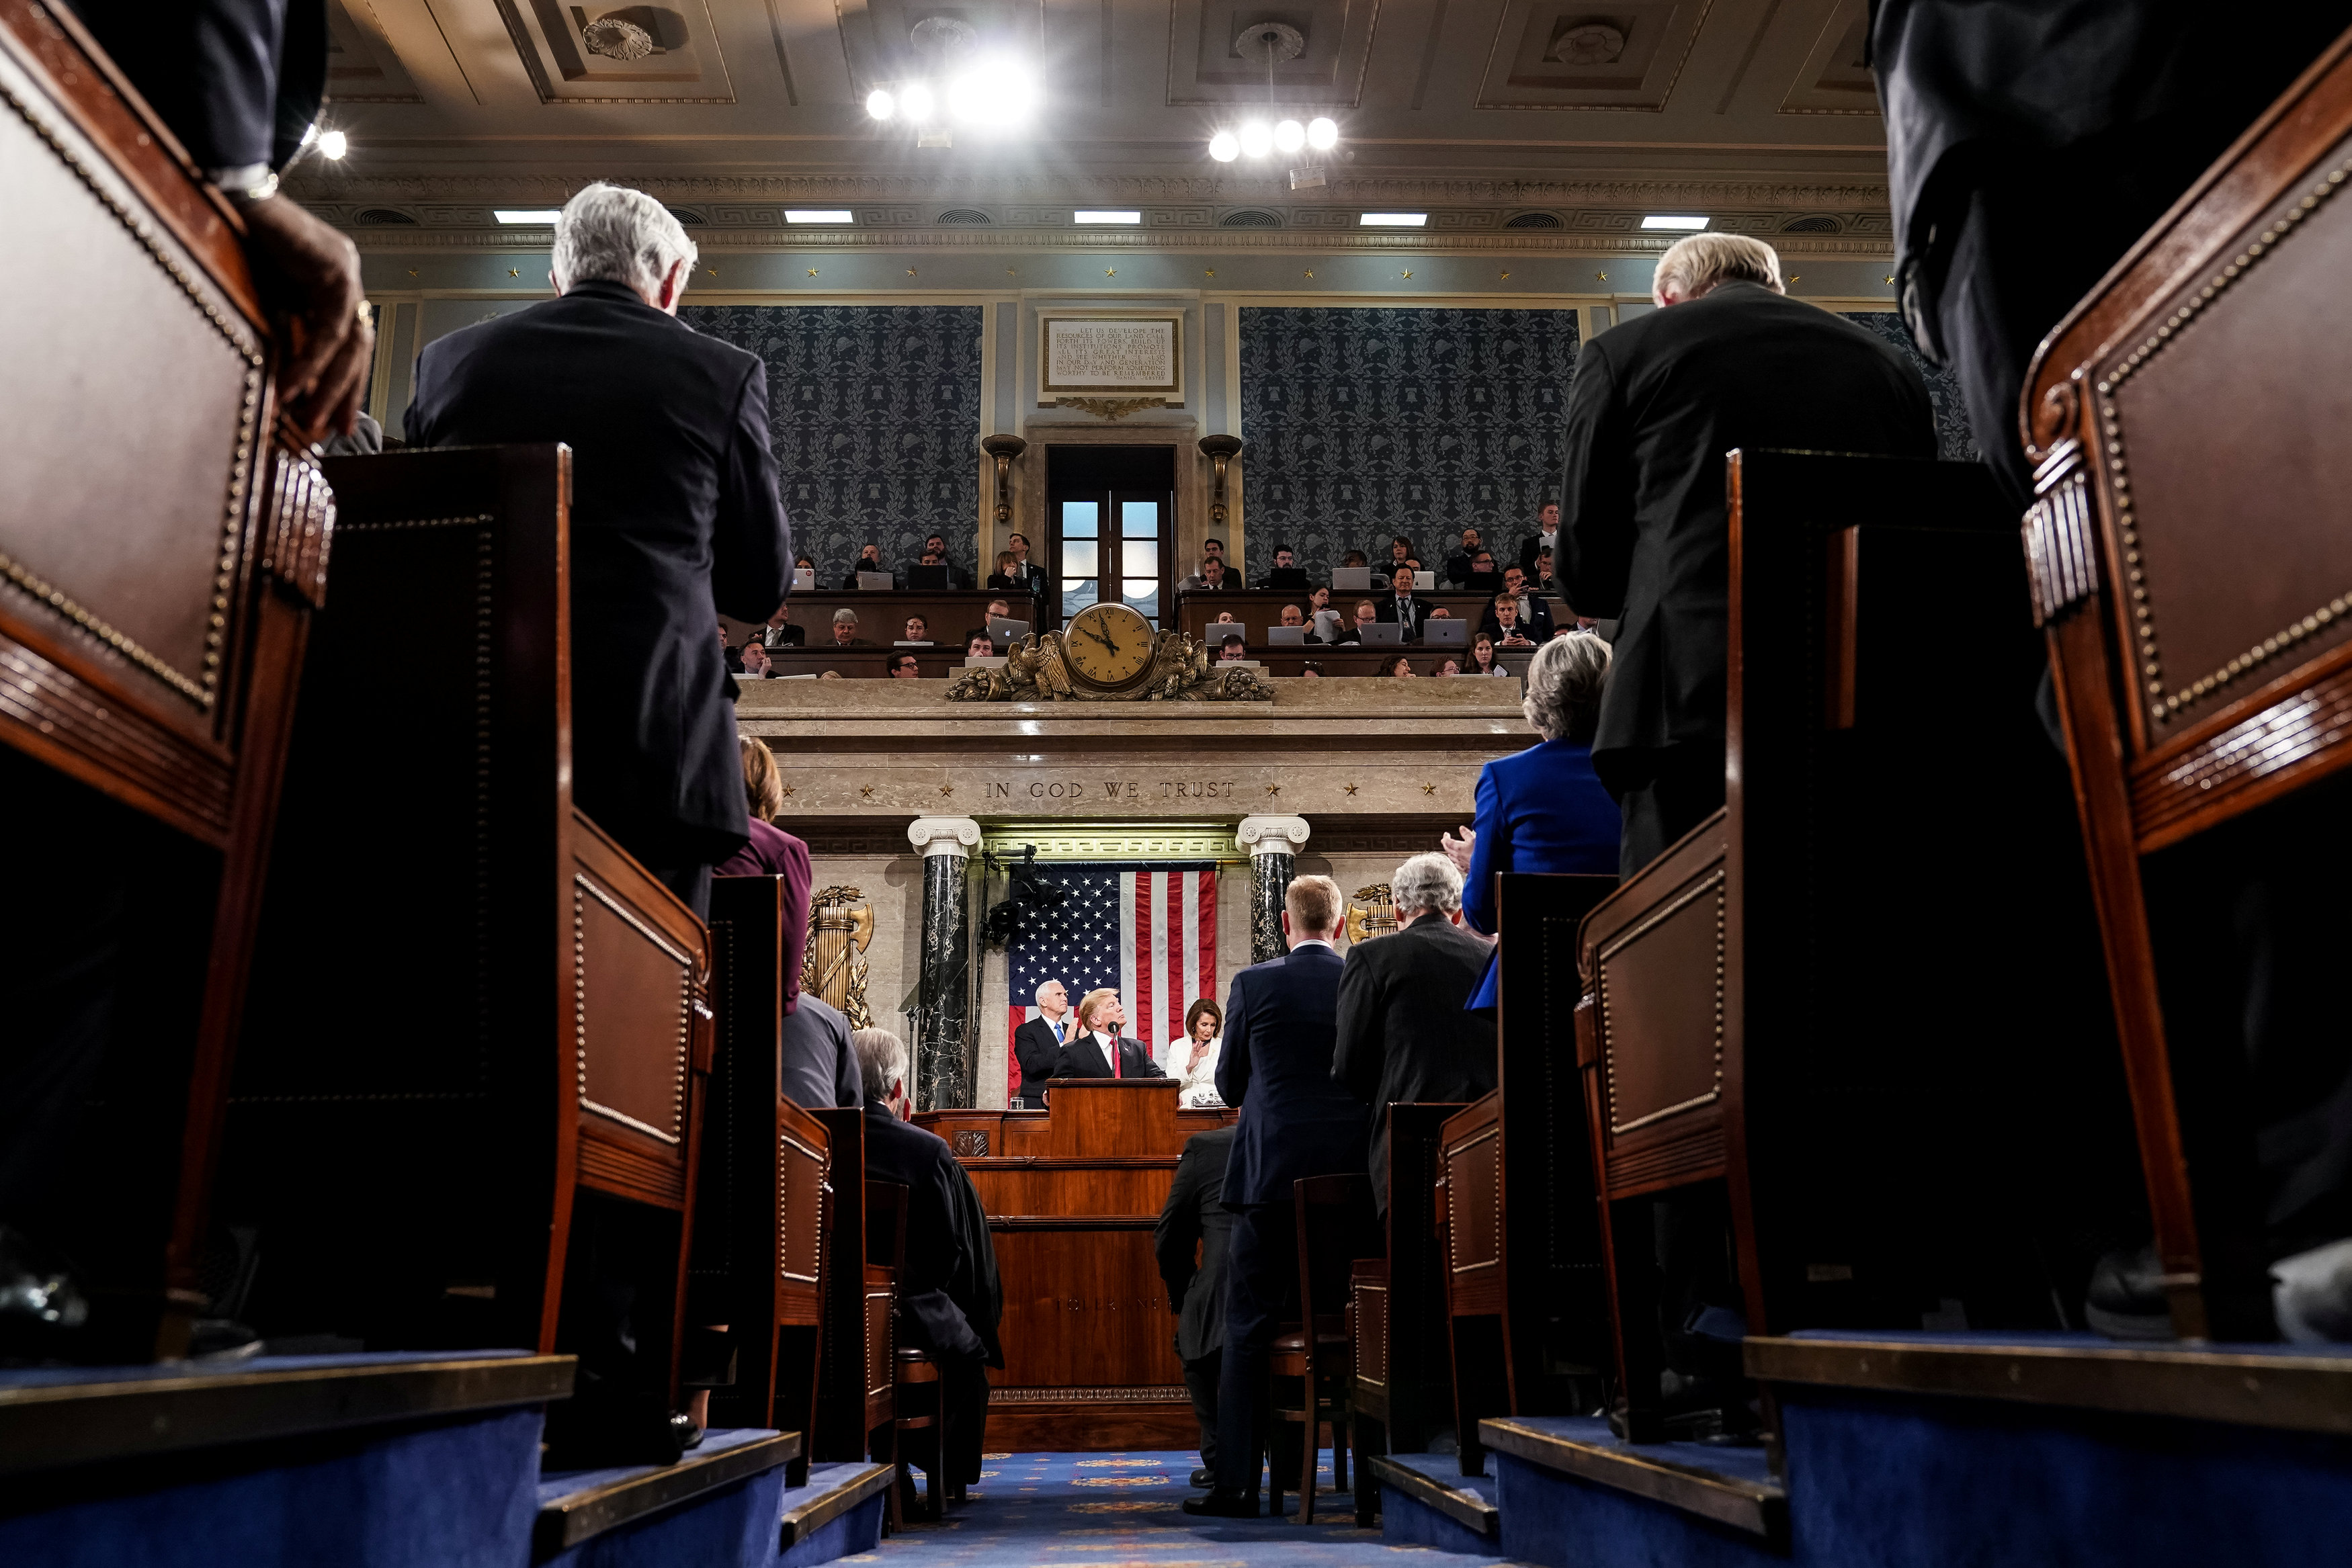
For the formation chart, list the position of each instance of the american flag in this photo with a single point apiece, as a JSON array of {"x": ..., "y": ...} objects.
[{"x": 1148, "y": 933}]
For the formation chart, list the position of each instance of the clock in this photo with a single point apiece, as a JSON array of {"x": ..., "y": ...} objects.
[{"x": 1108, "y": 647}]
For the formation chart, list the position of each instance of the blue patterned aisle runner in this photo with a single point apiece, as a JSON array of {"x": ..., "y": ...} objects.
[{"x": 1120, "y": 1511}]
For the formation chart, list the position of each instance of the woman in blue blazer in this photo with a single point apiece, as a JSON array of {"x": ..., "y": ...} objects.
[{"x": 1542, "y": 809}]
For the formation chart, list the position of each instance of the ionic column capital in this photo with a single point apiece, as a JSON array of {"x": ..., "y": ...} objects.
[
  {"x": 944, "y": 835},
  {"x": 1273, "y": 835}
]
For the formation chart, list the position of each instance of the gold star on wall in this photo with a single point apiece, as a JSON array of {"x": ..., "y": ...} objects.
[
  {"x": 788, "y": 791},
  {"x": 1110, "y": 272},
  {"x": 1350, "y": 789},
  {"x": 511, "y": 272},
  {"x": 1212, "y": 272},
  {"x": 910, "y": 272},
  {"x": 712, "y": 270},
  {"x": 1796, "y": 277},
  {"x": 1888, "y": 279},
  {"x": 1507, "y": 277},
  {"x": 1599, "y": 278},
  {"x": 865, "y": 791},
  {"x": 1273, "y": 789},
  {"x": 411, "y": 272},
  {"x": 1310, "y": 272},
  {"x": 947, "y": 789},
  {"x": 1408, "y": 272},
  {"x": 812, "y": 272},
  {"x": 1429, "y": 788},
  {"x": 1012, "y": 272}
]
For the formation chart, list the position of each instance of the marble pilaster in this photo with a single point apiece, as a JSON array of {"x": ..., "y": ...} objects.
[
  {"x": 942, "y": 1074},
  {"x": 1274, "y": 843}
]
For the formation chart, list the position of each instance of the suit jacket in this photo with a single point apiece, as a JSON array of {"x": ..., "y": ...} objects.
[
  {"x": 1281, "y": 1019},
  {"x": 1458, "y": 568},
  {"x": 238, "y": 81},
  {"x": 1541, "y": 809},
  {"x": 1535, "y": 619},
  {"x": 950, "y": 1301},
  {"x": 1038, "y": 1053},
  {"x": 673, "y": 509},
  {"x": 1082, "y": 1058},
  {"x": 784, "y": 636},
  {"x": 1656, "y": 404},
  {"x": 1196, "y": 1212},
  {"x": 1027, "y": 577},
  {"x": 1414, "y": 622},
  {"x": 957, "y": 576},
  {"x": 819, "y": 1068},
  {"x": 1403, "y": 1034},
  {"x": 1534, "y": 543}
]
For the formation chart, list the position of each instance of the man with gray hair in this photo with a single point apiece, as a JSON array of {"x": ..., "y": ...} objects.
[
  {"x": 1403, "y": 1032},
  {"x": 1726, "y": 362},
  {"x": 950, "y": 1300},
  {"x": 674, "y": 510}
]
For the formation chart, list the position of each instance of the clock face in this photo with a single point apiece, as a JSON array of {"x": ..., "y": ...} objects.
[{"x": 1108, "y": 646}]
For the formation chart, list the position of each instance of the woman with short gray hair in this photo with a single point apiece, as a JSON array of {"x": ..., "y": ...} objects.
[{"x": 1543, "y": 809}]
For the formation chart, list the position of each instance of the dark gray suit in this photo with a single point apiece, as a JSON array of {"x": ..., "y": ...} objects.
[
  {"x": 1195, "y": 1213},
  {"x": 819, "y": 1068},
  {"x": 1403, "y": 1035}
]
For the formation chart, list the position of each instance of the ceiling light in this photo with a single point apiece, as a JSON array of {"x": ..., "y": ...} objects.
[
  {"x": 1106, "y": 217},
  {"x": 993, "y": 92},
  {"x": 334, "y": 144},
  {"x": 1257, "y": 140},
  {"x": 1290, "y": 136},
  {"x": 1225, "y": 147},
  {"x": 880, "y": 104},
  {"x": 537, "y": 217},
  {"x": 1322, "y": 132},
  {"x": 819, "y": 215},
  {"x": 1669, "y": 221},
  {"x": 915, "y": 101},
  {"x": 1392, "y": 220}
]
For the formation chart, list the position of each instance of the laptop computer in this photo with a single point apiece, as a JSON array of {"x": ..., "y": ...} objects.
[
  {"x": 1351, "y": 579},
  {"x": 918, "y": 642},
  {"x": 1002, "y": 631},
  {"x": 928, "y": 578},
  {"x": 1293, "y": 578},
  {"x": 1424, "y": 581},
  {"x": 803, "y": 579},
  {"x": 1382, "y": 634},
  {"x": 1484, "y": 583},
  {"x": 1450, "y": 632},
  {"x": 876, "y": 580},
  {"x": 1285, "y": 636}
]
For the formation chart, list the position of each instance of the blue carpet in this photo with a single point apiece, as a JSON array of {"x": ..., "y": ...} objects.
[
  {"x": 1405, "y": 1521},
  {"x": 1092, "y": 1510}
]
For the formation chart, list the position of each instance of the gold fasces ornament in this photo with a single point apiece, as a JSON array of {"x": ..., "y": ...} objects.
[
  {"x": 1109, "y": 653},
  {"x": 1372, "y": 915},
  {"x": 834, "y": 970}
]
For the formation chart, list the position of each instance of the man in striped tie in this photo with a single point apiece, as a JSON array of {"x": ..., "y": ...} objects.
[{"x": 1037, "y": 1044}]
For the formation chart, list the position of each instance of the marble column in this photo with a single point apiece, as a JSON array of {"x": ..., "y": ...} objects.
[
  {"x": 942, "y": 1078},
  {"x": 1274, "y": 843}
]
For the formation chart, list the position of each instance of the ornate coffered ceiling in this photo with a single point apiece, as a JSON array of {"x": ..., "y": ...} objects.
[{"x": 1515, "y": 124}]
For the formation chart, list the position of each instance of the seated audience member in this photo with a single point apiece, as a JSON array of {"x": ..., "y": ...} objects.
[
  {"x": 1404, "y": 609},
  {"x": 1232, "y": 651},
  {"x": 1543, "y": 809},
  {"x": 1000, "y": 610},
  {"x": 1192, "y": 1057},
  {"x": 949, "y": 1301},
  {"x": 1398, "y": 666},
  {"x": 1542, "y": 580},
  {"x": 1037, "y": 1044},
  {"x": 1502, "y": 624},
  {"x": 868, "y": 559},
  {"x": 1439, "y": 612},
  {"x": 728, "y": 652},
  {"x": 1211, "y": 575},
  {"x": 771, "y": 850},
  {"x": 918, "y": 630},
  {"x": 1646, "y": 536},
  {"x": 1403, "y": 1033},
  {"x": 1292, "y": 616},
  {"x": 1482, "y": 656},
  {"x": 828, "y": 674},
  {"x": 1004, "y": 575},
  {"x": 979, "y": 645},
  {"x": 1310, "y": 671},
  {"x": 1323, "y": 620},
  {"x": 818, "y": 1067},
  {"x": 1544, "y": 537},
  {"x": 1195, "y": 1218},
  {"x": 904, "y": 667},
  {"x": 1458, "y": 565},
  {"x": 933, "y": 558},
  {"x": 935, "y": 553},
  {"x": 754, "y": 658},
  {"x": 1233, "y": 568},
  {"x": 1024, "y": 576},
  {"x": 1224, "y": 617},
  {"x": 1450, "y": 666},
  {"x": 1483, "y": 578},
  {"x": 1367, "y": 614},
  {"x": 1276, "y": 1068},
  {"x": 1100, "y": 1050},
  {"x": 1535, "y": 614},
  {"x": 805, "y": 563},
  {"x": 1287, "y": 572},
  {"x": 1399, "y": 556},
  {"x": 845, "y": 630},
  {"x": 1354, "y": 558},
  {"x": 780, "y": 631}
]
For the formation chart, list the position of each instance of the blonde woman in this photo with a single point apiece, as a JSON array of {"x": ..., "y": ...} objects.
[{"x": 1192, "y": 1060}]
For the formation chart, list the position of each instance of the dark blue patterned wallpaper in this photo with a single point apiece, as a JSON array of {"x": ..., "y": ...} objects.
[
  {"x": 875, "y": 412},
  {"x": 1954, "y": 442},
  {"x": 1364, "y": 423}
]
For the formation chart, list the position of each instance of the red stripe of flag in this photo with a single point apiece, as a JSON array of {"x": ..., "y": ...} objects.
[
  {"x": 1172, "y": 1025},
  {"x": 1143, "y": 958},
  {"x": 1205, "y": 960}
]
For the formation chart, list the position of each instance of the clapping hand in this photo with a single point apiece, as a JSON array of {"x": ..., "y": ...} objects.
[{"x": 1457, "y": 850}]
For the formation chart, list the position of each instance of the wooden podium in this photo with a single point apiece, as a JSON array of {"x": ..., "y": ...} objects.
[{"x": 1072, "y": 1194}]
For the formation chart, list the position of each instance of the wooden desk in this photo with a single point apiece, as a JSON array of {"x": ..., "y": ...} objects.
[
  {"x": 882, "y": 613},
  {"x": 867, "y": 663},
  {"x": 1257, "y": 609},
  {"x": 1072, "y": 1194}
]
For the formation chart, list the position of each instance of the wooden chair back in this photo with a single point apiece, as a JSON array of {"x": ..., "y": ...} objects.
[
  {"x": 855, "y": 1386},
  {"x": 164, "y": 533},
  {"x": 1469, "y": 1207},
  {"x": 2190, "y": 551},
  {"x": 1402, "y": 1379},
  {"x": 518, "y": 1007}
]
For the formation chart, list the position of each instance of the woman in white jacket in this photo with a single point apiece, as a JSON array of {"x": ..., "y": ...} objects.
[{"x": 1192, "y": 1060}]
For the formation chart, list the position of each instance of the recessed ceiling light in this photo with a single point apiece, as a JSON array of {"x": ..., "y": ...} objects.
[
  {"x": 334, "y": 144},
  {"x": 1106, "y": 217},
  {"x": 539, "y": 218},
  {"x": 1392, "y": 220},
  {"x": 819, "y": 215},
  {"x": 1671, "y": 220}
]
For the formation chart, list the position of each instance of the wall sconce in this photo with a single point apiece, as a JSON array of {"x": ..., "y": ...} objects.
[
  {"x": 1005, "y": 449},
  {"x": 1220, "y": 450}
]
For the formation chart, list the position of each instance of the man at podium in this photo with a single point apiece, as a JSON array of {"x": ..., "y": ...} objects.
[{"x": 1101, "y": 1048}]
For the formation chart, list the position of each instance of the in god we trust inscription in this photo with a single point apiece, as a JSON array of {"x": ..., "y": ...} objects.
[{"x": 1078, "y": 790}]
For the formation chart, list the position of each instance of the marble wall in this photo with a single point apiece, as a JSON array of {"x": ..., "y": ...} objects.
[{"x": 893, "y": 886}]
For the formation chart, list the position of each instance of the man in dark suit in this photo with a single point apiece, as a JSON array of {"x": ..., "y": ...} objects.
[
  {"x": 868, "y": 559},
  {"x": 1195, "y": 1214},
  {"x": 1459, "y": 564},
  {"x": 674, "y": 508},
  {"x": 1545, "y": 537},
  {"x": 1403, "y": 1034},
  {"x": 1533, "y": 620},
  {"x": 1037, "y": 1044},
  {"x": 1729, "y": 362},
  {"x": 780, "y": 631},
  {"x": 935, "y": 553},
  {"x": 1276, "y": 1065},
  {"x": 1026, "y": 576},
  {"x": 1100, "y": 1049},
  {"x": 950, "y": 1300},
  {"x": 1404, "y": 609}
]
